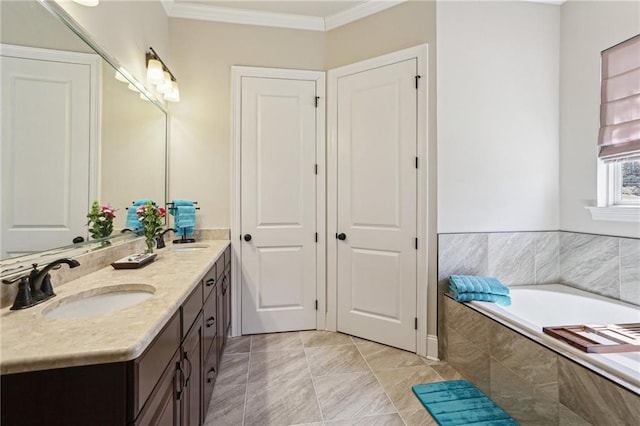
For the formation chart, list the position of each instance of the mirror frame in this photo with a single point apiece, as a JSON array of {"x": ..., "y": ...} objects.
[{"x": 20, "y": 264}]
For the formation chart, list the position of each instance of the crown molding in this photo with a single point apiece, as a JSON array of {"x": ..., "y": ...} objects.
[
  {"x": 358, "y": 12},
  {"x": 269, "y": 19},
  {"x": 233, "y": 15}
]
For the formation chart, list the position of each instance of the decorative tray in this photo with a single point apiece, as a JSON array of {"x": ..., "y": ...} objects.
[{"x": 134, "y": 261}]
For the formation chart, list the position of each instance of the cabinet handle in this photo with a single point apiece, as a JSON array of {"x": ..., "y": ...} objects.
[
  {"x": 210, "y": 282},
  {"x": 210, "y": 322},
  {"x": 186, "y": 358},
  {"x": 180, "y": 375},
  {"x": 209, "y": 377}
]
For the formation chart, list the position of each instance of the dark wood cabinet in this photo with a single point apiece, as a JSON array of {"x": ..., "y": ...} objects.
[{"x": 170, "y": 383}]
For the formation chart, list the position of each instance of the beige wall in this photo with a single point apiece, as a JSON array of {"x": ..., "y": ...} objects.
[
  {"x": 399, "y": 27},
  {"x": 498, "y": 67},
  {"x": 587, "y": 29},
  {"x": 125, "y": 29},
  {"x": 202, "y": 55}
]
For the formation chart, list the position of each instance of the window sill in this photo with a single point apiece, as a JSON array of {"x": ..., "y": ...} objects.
[{"x": 616, "y": 213}]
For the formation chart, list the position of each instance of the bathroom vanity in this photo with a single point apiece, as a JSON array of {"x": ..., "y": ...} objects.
[{"x": 151, "y": 363}]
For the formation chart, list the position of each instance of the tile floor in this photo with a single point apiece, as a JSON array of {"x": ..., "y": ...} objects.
[{"x": 320, "y": 378}]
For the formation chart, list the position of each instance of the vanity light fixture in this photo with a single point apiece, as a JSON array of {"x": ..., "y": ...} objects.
[
  {"x": 89, "y": 3},
  {"x": 160, "y": 75}
]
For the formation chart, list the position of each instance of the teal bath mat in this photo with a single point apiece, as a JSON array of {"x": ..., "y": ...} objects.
[{"x": 458, "y": 402}]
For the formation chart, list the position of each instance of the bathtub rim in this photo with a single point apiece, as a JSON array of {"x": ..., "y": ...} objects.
[{"x": 593, "y": 363}]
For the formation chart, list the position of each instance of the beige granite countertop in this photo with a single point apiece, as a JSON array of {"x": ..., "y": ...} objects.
[{"x": 30, "y": 341}]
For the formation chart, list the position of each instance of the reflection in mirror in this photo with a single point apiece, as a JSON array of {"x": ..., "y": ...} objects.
[{"x": 71, "y": 134}]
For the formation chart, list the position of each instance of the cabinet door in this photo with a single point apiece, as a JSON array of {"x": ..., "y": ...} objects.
[
  {"x": 192, "y": 366},
  {"x": 163, "y": 407},
  {"x": 210, "y": 322},
  {"x": 210, "y": 372},
  {"x": 220, "y": 310}
]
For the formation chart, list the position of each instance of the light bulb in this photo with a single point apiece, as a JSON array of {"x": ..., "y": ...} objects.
[
  {"x": 155, "y": 73},
  {"x": 165, "y": 86},
  {"x": 89, "y": 3},
  {"x": 121, "y": 77},
  {"x": 174, "y": 95}
]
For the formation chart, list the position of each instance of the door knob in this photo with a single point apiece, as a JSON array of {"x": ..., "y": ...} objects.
[
  {"x": 247, "y": 237},
  {"x": 341, "y": 236}
]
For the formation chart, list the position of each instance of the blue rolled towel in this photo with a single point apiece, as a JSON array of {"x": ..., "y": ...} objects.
[
  {"x": 132, "y": 218},
  {"x": 503, "y": 300},
  {"x": 473, "y": 284}
]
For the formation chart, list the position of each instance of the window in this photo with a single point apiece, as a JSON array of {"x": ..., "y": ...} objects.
[
  {"x": 629, "y": 182},
  {"x": 619, "y": 138}
]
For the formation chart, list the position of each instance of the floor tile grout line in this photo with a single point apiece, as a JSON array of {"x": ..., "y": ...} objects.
[
  {"x": 379, "y": 383},
  {"x": 313, "y": 381}
]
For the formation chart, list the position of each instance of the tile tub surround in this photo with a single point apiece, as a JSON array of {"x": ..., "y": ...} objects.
[
  {"x": 112, "y": 337},
  {"x": 533, "y": 384},
  {"x": 320, "y": 377},
  {"x": 609, "y": 266}
]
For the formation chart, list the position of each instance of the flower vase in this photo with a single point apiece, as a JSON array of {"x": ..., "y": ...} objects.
[{"x": 150, "y": 244}]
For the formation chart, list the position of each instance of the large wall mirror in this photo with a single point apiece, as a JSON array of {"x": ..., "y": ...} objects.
[{"x": 74, "y": 130}]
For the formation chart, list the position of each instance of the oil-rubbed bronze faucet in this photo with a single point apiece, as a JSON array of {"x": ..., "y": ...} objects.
[
  {"x": 160, "y": 240},
  {"x": 36, "y": 287}
]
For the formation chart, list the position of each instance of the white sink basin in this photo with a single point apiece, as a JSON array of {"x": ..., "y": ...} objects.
[
  {"x": 99, "y": 301},
  {"x": 188, "y": 247}
]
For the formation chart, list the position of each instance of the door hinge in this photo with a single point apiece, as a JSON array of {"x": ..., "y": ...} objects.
[
  {"x": 418, "y": 77},
  {"x": 316, "y": 305},
  {"x": 415, "y": 323},
  {"x": 316, "y": 237},
  {"x": 416, "y": 162},
  {"x": 316, "y": 169},
  {"x": 416, "y": 243},
  {"x": 317, "y": 99}
]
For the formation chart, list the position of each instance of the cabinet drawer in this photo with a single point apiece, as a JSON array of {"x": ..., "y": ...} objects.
[
  {"x": 148, "y": 368},
  {"x": 210, "y": 320},
  {"x": 191, "y": 308},
  {"x": 209, "y": 282}
]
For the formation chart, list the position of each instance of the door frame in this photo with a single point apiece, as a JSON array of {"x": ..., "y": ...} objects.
[
  {"x": 319, "y": 77},
  {"x": 420, "y": 53}
]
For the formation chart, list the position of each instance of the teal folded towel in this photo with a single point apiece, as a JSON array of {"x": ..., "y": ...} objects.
[
  {"x": 472, "y": 284},
  {"x": 184, "y": 217},
  {"x": 132, "y": 218},
  {"x": 482, "y": 297}
]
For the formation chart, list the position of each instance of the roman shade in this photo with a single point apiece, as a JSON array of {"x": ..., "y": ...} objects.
[{"x": 620, "y": 101}]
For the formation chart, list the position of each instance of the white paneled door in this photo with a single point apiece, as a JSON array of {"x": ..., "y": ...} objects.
[
  {"x": 46, "y": 123},
  {"x": 278, "y": 204},
  {"x": 376, "y": 203}
]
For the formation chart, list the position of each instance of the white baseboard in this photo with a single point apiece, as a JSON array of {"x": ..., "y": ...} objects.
[{"x": 432, "y": 347}]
